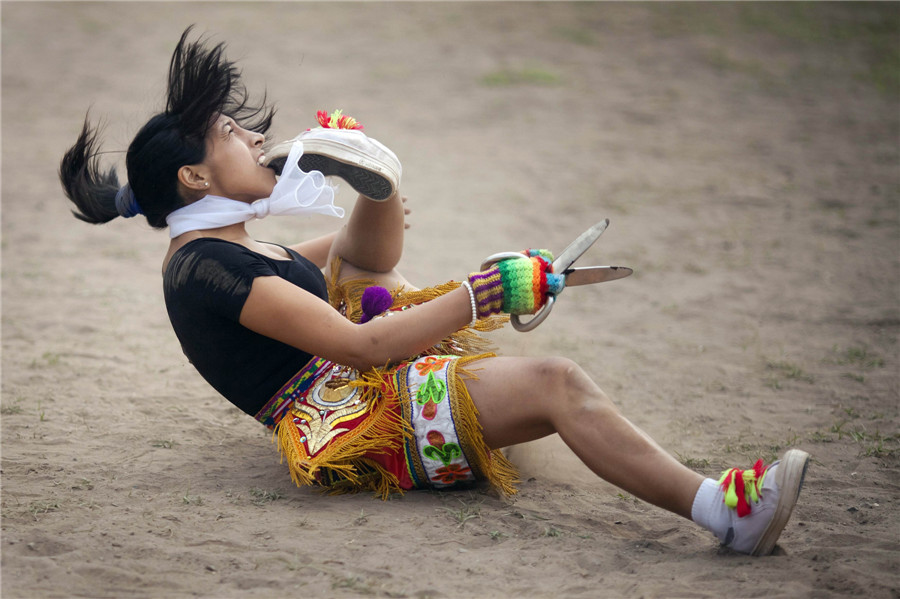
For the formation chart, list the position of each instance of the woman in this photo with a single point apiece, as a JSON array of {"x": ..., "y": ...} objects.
[{"x": 363, "y": 392}]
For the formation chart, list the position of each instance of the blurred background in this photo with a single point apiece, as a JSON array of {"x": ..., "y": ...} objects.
[{"x": 746, "y": 154}]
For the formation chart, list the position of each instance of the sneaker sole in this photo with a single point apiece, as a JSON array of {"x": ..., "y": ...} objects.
[
  {"x": 368, "y": 177},
  {"x": 789, "y": 478},
  {"x": 361, "y": 175}
]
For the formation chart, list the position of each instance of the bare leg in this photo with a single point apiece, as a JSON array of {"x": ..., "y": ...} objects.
[
  {"x": 522, "y": 399},
  {"x": 372, "y": 239}
]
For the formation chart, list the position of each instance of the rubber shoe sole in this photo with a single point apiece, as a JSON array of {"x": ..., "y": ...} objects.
[
  {"x": 789, "y": 477},
  {"x": 368, "y": 177},
  {"x": 363, "y": 176}
]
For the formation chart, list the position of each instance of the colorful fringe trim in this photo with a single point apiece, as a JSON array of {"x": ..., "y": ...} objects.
[{"x": 275, "y": 409}]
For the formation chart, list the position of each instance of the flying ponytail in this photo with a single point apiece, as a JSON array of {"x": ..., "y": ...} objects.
[
  {"x": 202, "y": 84},
  {"x": 86, "y": 184}
]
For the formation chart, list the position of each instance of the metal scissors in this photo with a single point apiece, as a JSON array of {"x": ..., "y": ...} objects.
[{"x": 585, "y": 275}]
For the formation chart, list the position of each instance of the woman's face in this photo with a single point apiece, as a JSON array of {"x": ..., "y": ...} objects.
[{"x": 234, "y": 159}]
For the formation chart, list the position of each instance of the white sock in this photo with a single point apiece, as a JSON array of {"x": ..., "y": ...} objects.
[{"x": 709, "y": 509}]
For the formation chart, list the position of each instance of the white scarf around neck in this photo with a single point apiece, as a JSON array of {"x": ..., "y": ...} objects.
[{"x": 295, "y": 193}]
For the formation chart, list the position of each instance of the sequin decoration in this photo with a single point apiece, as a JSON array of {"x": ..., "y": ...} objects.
[{"x": 333, "y": 400}]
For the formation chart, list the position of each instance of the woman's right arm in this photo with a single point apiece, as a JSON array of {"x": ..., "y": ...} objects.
[{"x": 279, "y": 309}]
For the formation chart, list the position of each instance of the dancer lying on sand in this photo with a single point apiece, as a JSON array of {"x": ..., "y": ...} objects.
[{"x": 369, "y": 382}]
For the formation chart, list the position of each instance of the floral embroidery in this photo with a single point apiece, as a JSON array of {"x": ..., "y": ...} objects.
[
  {"x": 445, "y": 454},
  {"x": 450, "y": 474},
  {"x": 431, "y": 364},
  {"x": 441, "y": 451},
  {"x": 429, "y": 394}
]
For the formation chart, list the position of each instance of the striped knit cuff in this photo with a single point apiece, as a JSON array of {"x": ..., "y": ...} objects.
[
  {"x": 488, "y": 288},
  {"x": 514, "y": 286}
]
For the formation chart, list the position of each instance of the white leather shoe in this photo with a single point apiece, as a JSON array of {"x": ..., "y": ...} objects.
[{"x": 367, "y": 165}]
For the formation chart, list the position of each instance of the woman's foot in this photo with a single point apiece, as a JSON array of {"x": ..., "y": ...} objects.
[
  {"x": 748, "y": 509},
  {"x": 368, "y": 166}
]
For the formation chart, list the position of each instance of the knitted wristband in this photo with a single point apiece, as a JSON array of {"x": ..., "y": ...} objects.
[
  {"x": 488, "y": 290},
  {"x": 515, "y": 286},
  {"x": 472, "y": 300}
]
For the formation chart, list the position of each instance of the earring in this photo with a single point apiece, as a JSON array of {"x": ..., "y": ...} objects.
[{"x": 206, "y": 184}]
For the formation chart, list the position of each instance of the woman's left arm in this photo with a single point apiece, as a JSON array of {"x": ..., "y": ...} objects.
[{"x": 316, "y": 250}]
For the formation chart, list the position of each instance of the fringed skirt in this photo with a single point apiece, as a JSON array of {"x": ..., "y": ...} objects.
[{"x": 406, "y": 426}]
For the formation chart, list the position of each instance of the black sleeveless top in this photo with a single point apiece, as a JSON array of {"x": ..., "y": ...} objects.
[{"x": 206, "y": 285}]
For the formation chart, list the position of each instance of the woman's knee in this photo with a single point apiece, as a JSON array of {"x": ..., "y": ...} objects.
[
  {"x": 389, "y": 280},
  {"x": 570, "y": 388}
]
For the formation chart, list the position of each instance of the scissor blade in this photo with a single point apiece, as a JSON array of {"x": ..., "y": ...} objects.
[
  {"x": 588, "y": 275},
  {"x": 579, "y": 246}
]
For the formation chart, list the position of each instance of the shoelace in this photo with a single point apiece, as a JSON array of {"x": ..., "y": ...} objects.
[{"x": 739, "y": 484}]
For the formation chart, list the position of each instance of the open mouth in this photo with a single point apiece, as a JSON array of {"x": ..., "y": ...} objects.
[{"x": 277, "y": 164}]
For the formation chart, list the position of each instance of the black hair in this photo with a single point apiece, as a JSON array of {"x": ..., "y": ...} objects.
[{"x": 202, "y": 84}]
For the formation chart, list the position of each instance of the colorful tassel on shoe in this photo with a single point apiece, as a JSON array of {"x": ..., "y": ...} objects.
[
  {"x": 337, "y": 120},
  {"x": 739, "y": 484}
]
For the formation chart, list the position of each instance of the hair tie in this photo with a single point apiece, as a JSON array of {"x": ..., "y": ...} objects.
[{"x": 126, "y": 203}]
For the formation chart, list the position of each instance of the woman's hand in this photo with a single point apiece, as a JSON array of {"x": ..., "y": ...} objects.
[
  {"x": 516, "y": 285},
  {"x": 406, "y": 211}
]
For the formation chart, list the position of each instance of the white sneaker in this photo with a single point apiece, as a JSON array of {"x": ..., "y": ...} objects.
[
  {"x": 760, "y": 513},
  {"x": 367, "y": 165}
]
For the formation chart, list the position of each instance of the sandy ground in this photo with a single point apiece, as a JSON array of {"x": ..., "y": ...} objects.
[{"x": 747, "y": 156}]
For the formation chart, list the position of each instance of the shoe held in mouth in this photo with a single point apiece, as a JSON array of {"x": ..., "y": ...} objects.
[{"x": 368, "y": 166}]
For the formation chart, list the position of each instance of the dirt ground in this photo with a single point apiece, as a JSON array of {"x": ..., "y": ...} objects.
[{"x": 748, "y": 156}]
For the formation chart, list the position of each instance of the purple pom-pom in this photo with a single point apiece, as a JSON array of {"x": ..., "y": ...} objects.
[{"x": 375, "y": 300}]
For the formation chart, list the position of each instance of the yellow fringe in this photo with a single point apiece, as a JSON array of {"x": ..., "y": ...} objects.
[
  {"x": 490, "y": 464},
  {"x": 381, "y": 430}
]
